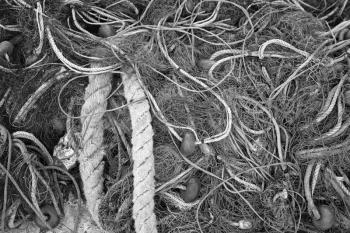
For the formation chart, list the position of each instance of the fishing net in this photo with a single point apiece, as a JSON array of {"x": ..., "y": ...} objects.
[{"x": 261, "y": 85}]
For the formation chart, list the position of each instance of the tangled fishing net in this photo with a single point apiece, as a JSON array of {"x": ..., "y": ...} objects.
[{"x": 175, "y": 116}]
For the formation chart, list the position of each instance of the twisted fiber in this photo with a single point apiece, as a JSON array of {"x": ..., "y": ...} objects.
[
  {"x": 76, "y": 68},
  {"x": 41, "y": 29},
  {"x": 92, "y": 152},
  {"x": 312, "y": 209},
  {"x": 22, "y": 113},
  {"x": 282, "y": 43},
  {"x": 175, "y": 200},
  {"x": 328, "y": 110},
  {"x": 142, "y": 153},
  {"x": 315, "y": 177},
  {"x": 337, "y": 181},
  {"x": 338, "y": 126},
  {"x": 328, "y": 101}
]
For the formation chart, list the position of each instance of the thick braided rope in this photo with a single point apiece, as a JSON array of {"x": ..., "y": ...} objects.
[
  {"x": 142, "y": 154},
  {"x": 92, "y": 152}
]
